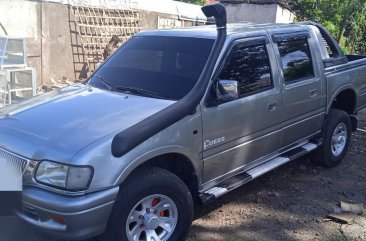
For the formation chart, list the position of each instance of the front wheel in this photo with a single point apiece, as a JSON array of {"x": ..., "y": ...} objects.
[
  {"x": 153, "y": 205},
  {"x": 337, "y": 136}
]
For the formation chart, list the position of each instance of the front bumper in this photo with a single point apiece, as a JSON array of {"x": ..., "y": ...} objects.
[{"x": 68, "y": 217}]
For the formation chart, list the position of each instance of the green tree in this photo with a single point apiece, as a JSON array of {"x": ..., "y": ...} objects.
[
  {"x": 198, "y": 2},
  {"x": 345, "y": 19}
]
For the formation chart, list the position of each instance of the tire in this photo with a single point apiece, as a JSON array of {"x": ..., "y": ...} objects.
[
  {"x": 328, "y": 155},
  {"x": 148, "y": 187}
]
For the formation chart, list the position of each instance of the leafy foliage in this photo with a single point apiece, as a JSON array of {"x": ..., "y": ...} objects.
[
  {"x": 198, "y": 2},
  {"x": 345, "y": 19}
]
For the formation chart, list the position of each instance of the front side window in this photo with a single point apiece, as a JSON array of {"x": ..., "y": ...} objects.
[
  {"x": 250, "y": 66},
  {"x": 296, "y": 59}
]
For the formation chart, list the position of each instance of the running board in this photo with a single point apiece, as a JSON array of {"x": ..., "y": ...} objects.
[
  {"x": 268, "y": 166},
  {"x": 244, "y": 177}
]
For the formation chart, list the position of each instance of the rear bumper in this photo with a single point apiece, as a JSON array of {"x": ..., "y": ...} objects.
[{"x": 68, "y": 217}]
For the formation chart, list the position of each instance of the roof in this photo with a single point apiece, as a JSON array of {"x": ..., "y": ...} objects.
[
  {"x": 283, "y": 3},
  {"x": 210, "y": 31},
  {"x": 182, "y": 9}
]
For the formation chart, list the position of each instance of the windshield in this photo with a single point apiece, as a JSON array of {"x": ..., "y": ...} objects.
[{"x": 155, "y": 66}]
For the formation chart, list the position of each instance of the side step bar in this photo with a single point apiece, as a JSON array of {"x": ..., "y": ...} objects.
[
  {"x": 244, "y": 177},
  {"x": 268, "y": 166}
]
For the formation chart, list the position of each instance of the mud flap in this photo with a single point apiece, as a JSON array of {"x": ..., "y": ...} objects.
[{"x": 354, "y": 122}]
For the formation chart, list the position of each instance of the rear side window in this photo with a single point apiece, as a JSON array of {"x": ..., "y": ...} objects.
[
  {"x": 296, "y": 59},
  {"x": 249, "y": 65}
]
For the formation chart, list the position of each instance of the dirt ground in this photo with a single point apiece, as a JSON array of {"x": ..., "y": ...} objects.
[{"x": 289, "y": 203}]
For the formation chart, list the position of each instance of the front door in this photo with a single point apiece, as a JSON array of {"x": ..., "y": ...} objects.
[{"x": 240, "y": 131}]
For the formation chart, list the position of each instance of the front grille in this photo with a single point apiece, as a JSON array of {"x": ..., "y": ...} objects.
[{"x": 17, "y": 162}]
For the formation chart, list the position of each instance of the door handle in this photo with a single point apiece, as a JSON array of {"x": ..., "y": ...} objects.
[
  {"x": 272, "y": 107},
  {"x": 313, "y": 93}
]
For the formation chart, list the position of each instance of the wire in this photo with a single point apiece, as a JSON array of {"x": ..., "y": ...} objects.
[{"x": 2, "y": 26}]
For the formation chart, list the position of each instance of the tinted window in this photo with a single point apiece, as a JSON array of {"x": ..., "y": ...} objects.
[
  {"x": 166, "y": 66},
  {"x": 249, "y": 65},
  {"x": 296, "y": 59}
]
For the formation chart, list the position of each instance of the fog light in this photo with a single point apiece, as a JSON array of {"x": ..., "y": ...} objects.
[{"x": 58, "y": 219}]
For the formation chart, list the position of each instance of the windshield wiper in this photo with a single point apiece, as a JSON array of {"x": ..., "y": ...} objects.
[
  {"x": 131, "y": 90},
  {"x": 138, "y": 91},
  {"x": 105, "y": 82}
]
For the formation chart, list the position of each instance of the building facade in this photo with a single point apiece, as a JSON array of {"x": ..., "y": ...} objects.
[
  {"x": 66, "y": 38},
  {"x": 259, "y": 11}
]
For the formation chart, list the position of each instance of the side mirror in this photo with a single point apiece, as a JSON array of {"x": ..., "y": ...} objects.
[{"x": 227, "y": 90}]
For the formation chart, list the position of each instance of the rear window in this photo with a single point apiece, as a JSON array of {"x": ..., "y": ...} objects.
[
  {"x": 168, "y": 66},
  {"x": 296, "y": 59}
]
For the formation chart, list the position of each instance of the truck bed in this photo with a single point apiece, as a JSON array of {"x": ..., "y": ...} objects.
[{"x": 351, "y": 75}]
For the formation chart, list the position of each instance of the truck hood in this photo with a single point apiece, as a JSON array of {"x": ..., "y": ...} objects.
[{"x": 60, "y": 123}]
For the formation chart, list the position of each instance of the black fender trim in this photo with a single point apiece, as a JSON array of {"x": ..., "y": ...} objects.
[{"x": 136, "y": 134}]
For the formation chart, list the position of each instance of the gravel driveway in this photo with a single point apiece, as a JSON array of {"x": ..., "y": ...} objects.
[{"x": 290, "y": 203}]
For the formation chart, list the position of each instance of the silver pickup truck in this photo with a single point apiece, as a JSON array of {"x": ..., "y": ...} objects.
[{"x": 175, "y": 119}]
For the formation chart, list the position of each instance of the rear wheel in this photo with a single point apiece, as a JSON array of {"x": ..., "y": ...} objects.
[
  {"x": 153, "y": 205},
  {"x": 337, "y": 137}
]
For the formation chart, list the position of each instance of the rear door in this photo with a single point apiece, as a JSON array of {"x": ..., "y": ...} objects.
[
  {"x": 302, "y": 85},
  {"x": 238, "y": 132}
]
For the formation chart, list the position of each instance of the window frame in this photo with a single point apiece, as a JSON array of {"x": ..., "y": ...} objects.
[
  {"x": 286, "y": 37},
  {"x": 245, "y": 42}
]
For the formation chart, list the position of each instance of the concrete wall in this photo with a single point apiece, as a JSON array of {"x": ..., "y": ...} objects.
[
  {"x": 258, "y": 13},
  {"x": 284, "y": 15},
  {"x": 57, "y": 54},
  {"x": 150, "y": 19},
  {"x": 22, "y": 19},
  {"x": 251, "y": 12},
  {"x": 46, "y": 29}
]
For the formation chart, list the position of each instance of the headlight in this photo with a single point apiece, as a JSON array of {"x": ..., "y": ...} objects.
[{"x": 74, "y": 178}]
